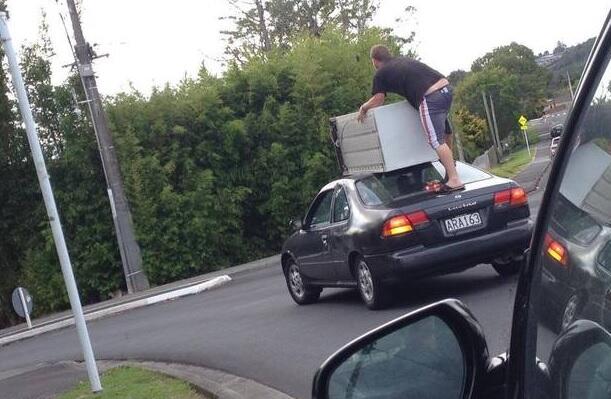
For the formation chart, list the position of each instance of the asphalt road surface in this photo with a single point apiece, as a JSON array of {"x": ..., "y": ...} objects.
[
  {"x": 252, "y": 328},
  {"x": 544, "y": 124}
]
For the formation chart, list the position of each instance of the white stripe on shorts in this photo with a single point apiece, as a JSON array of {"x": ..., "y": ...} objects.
[{"x": 427, "y": 124}]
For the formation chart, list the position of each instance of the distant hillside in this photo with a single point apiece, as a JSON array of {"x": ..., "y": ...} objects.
[{"x": 573, "y": 60}]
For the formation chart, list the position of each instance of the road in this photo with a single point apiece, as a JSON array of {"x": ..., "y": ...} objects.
[
  {"x": 253, "y": 329},
  {"x": 544, "y": 124}
]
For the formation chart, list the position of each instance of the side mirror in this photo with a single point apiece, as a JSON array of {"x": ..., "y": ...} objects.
[
  {"x": 295, "y": 224},
  {"x": 580, "y": 363},
  {"x": 438, "y": 351}
]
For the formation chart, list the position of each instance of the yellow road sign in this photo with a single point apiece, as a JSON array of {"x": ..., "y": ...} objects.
[
  {"x": 522, "y": 120},
  {"x": 524, "y": 127}
]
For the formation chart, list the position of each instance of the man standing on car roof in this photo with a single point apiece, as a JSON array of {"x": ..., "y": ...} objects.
[{"x": 425, "y": 89}]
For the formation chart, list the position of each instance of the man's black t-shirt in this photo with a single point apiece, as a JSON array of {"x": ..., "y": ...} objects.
[{"x": 407, "y": 77}]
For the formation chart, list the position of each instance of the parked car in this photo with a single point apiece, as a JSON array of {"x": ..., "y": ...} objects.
[
  {"x": 440, "y": 351},
  {"x": 553, "y": 147},
  {"x": 373, "y": 231},
  {"x": 576, "y": 274},
  {"x": 556, "y": 130}
]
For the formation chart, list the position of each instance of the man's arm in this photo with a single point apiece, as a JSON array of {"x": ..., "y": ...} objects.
[{"x": 375, "y": 101}]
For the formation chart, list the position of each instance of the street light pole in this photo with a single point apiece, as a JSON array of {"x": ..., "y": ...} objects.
[{"x": 49, "y": 200}]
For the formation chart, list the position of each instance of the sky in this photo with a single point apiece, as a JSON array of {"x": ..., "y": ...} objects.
[{"x": 152, "y": 42}]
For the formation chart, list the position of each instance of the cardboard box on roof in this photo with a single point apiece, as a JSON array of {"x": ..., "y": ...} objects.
[{"x": 390, "y": 138}]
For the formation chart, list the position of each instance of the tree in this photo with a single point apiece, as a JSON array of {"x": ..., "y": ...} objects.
[
  {"x": 560, "y": 48},
  {"x": 260, "y": 26},
  {"x": 474, "y": 132},
  {"x": 214, "y": 167},
  {"x": 14, "y": 194},
  {"x": 514, "y": 80},
  {"x": 27, "y": 251},
  {"x": 457, "y": 76}
]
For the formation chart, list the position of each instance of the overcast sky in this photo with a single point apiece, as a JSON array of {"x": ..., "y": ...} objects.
[{"x": 152, "y": 42}]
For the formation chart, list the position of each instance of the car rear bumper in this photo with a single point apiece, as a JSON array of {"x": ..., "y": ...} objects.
[
  {"x": 419, "y": 262},
  {"x": 556, "y": 291}
]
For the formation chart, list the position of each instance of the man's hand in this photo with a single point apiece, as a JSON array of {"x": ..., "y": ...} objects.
[
  {"x": 375, "y": 101},
  {"x": 362, "y": 113}
]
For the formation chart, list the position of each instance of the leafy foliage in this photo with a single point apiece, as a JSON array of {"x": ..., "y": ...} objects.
[
  {"x": 573, "y": 60},
  {"x": 260, "y": 26},
  {"x": 510, "y": 75},
  {"x": 214, "y": 168}
]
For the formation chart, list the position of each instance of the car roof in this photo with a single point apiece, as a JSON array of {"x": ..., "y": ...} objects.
[
  {"x": 357, "y": 176},
  {"x": 347, "y": 179}
]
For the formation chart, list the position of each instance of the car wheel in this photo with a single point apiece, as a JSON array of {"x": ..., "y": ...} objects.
[
  {"x": 300, "y": 292},
  {"x": 571, "y": 311},
  {"x": 373, "y": 292},
  {"x": 506, "y": 267}
]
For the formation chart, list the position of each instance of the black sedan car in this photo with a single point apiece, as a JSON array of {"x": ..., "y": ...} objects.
[
  {"x": 556, "y": 130},
  {"x": 576, "y": 273},
  {"x": 372, "y": 231}
]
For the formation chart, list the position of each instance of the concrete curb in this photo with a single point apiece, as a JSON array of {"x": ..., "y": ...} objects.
[
  {"x": 538, "y": 181},
  {"x": 214, "y": 383},
  {"x": 181, "y": 292}
]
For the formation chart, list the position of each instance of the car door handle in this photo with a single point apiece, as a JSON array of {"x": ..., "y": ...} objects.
[{"x": 324, "y": 238}]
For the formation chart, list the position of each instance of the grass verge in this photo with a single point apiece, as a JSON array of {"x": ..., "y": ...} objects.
[
  {"x": 135, "y": 383},
  {"x": 514, "y": 163}
]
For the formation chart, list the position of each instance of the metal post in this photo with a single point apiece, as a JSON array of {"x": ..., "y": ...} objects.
[
  {"x": 526, "y": 138},
  {"x": 49, "y": 200},
  {"x": 25, "y": 307},
  {"x": 135, "y": 278}
]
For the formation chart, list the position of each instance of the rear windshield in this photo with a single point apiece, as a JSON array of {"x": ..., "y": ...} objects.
[
  {"x": 573, "y": 223},
  {"x": 382, "y": 188}
]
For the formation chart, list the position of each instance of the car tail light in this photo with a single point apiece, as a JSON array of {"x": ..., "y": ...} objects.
[
  {"x": 555, "y": 250},
  {"x": 404, "y": 223},
  {"x": 397, "y": 225},
  {"x": 518, "y": 197},
  {"x": 512, "y": 197}
]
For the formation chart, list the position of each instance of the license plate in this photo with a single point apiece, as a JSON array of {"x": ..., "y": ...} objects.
[{"x": 463, "y": 222}]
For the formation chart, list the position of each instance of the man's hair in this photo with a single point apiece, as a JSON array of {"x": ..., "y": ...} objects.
[{"x": 380, "y": 52}]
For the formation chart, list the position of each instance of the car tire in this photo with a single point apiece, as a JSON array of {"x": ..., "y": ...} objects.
[
  {"x": 375, "y": 294},
  {"x": 508, "y": 267},
  {"x": 571, "y": 311},
  {"x": 301, "y": 293}
]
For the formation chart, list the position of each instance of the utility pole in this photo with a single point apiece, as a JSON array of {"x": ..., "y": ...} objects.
[
  {"x": 570, "y": 85},
  {"x": 49, "y": 200},
  {"x": 130, "y": 251},
  {"x": 494, "y": 143},
  {"x": 496, "y": 127}
]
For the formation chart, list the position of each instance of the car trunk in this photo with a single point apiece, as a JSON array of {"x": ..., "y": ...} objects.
[
  {"x": 450, "y": 216},
  {"x": 458, "y": 215}
]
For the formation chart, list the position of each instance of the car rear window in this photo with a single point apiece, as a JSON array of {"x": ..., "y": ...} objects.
[
  {"x": 573, "y": 223},
  {"x": 382, "y": 188}
]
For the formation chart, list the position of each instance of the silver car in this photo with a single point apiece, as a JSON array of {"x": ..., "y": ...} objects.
[{"x": 553, "y": 148}]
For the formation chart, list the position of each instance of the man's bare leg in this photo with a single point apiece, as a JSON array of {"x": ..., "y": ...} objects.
[
  {"x": 447, "y": 160},
  {"x": 450, "y": 141}
]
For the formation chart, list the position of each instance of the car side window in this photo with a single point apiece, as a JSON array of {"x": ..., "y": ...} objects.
[
  {"x": 604, "y": 259},
  {"x": 571, "y": 294},
  {"x": 341, "y": 208},
  {"x": 320, "y": 213}
]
